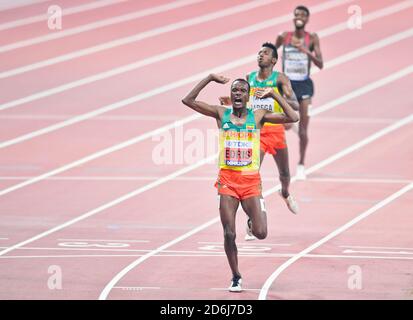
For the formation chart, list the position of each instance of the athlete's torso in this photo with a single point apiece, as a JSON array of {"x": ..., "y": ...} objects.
[
  {"x": 296, "y": 64},
  {"x": 268, "y": 103},
  {"x": 239, "y": 145}
]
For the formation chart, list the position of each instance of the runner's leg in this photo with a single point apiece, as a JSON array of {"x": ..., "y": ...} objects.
[{"x": 228, "y": 207}]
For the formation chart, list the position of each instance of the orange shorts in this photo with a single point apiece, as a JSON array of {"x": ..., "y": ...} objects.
[
  {"x": 272, "y": 138},
  {"x": 240, "y": 185}
]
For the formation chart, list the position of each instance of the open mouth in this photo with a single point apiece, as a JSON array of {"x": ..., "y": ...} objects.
[
  {"x": 299, "y": 23},
  {"x": 237, "y": 101}
]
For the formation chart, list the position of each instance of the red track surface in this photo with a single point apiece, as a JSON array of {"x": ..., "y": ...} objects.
[{"x": 92, "y": 251}]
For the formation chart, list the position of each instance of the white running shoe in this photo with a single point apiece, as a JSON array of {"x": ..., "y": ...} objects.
[
  {"x": 235, "y": 286},
  {"x": 291, "y": 203},
  {"x": 249, "y": 236},
  {"x": 300, "y": 175}
]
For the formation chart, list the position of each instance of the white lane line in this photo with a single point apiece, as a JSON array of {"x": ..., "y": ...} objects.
[
  {"x": 310, "y": 256},
  {"x": 353, "y": 180},
  {"x": 145, "y": 35},
  {"x": 96, "y": 155},
  {"x": 102, "y": 240},
  {"x": 65, "y": 12},
  {"x": 206, "y": 43},
  {"x": 151, "y": 118},
  {"x": 237, "y": 63},
  {"x": 136, "y": 65},
  {"x": 104, "y": 294},
  {"x": 111, "y": 203},
  {"x": 373, "y": 247},
  {"x": 101, "y": 118},
  {"x": 269, "y": 282},
  {"x": 135, "y": 38},
  {"x": 375, "y": 85},
  {"x": 96, "y": 25},
  {"x": 201, "y": 179},
  {"x": 8, "y": 5},
  {"x": 377, "y": 252},
  {"x": 248, "y": 243},
  {"x": 137, "y": 288}
]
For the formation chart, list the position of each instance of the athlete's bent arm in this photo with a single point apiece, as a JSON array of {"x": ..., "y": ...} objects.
[
  {"x": 280, "y": 39},
  {"x": 203, "y": 107},
  {"x": 288, "y": 91},
  {"x": 289, "y": 114}
]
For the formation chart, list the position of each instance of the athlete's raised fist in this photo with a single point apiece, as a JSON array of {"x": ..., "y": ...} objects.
[{"x": 218, "y": 78}]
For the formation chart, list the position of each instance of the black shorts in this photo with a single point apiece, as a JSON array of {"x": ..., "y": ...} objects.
[{"x": 303, "y": 89}]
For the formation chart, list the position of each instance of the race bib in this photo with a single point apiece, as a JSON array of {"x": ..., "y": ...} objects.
[
  {"x": 256, "y": 103},
  {"x": 239, "y": 150},
  {"x": 296, "y": 64}
]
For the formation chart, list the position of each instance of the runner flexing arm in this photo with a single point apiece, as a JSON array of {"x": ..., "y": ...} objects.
[
  {"x": 204, "y": 108},
  {"x": 263, "y": 116}
]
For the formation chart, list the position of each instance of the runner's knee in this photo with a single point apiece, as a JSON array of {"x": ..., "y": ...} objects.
[
  {"x": 260, "y": 232},
  {"x": 229, "y": 235}
]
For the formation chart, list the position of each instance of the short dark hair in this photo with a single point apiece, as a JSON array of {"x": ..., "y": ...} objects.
[
  {"x": 242, "y": 80},
  {"x": 273, "y": 47},
  {"x": 304, "y": 8}
]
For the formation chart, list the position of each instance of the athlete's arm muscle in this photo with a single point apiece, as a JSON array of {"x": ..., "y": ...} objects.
[{"x": 203, "y": 107}]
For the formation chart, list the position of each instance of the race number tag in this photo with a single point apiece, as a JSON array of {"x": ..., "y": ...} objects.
[
  {"x": 256, "y": 103},
  {"x": 295, "y": 64},
  {"x": 239, "y": 150}
]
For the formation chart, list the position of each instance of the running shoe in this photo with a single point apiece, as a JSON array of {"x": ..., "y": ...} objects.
[
  {"x": 249, "y": 236},
  {"x": 291, "y": 203},
  {"x": 236, "y": 283}
]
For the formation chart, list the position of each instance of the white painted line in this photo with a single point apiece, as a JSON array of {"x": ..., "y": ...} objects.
[
  {"x": 375, "y": 85},
  {"x": 104, "y": 294},
  {"x": 329, "y": 160},
  {"x": 351, "y": 120},
  {"x": 112, "y": 203},
  {"x": 370, "y": 247},
  {"x": 311, "y": 256},
  {"x": 139, "y": 64},
  {"x": 149, "y": 117},
  {"x": 65, "y": 12},
  {"x": 96, "y": 25},
  {"x": 249, "y": 243},
  {"x": 137, "y": 288},
  {"x": 102, "y": 240},
  {"x": 377, "y": 252},
  {"x": 182, "y": 50},
  {"x": 353, "y": 180},
  {"x": 269, "y": 282},
  {"x": 139, "y": 37},
  {"x": 7, "y": 5},
  {"x": 78, "y": 249},
  {"x": 158, "y": 58},
  {"x": 226, "y": 289},
  {"x": 122, "y": 273},
  {"x": 97, "y": 155},
  {"x": 201, "y": 179},
  {"x": 197, "y": 77}
]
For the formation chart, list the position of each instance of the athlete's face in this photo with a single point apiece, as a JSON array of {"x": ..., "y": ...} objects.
[
  {"x": 300, "y": 18},
  {"x": 265, "y": 58},
  {"x": 239, "y": 94}
]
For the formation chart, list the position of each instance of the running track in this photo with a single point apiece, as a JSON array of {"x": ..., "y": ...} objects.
[{"x": 84, "y": 109}]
